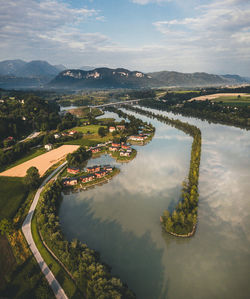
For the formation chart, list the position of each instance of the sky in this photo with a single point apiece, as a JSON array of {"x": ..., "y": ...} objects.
[{"x": 145, "y": 35}]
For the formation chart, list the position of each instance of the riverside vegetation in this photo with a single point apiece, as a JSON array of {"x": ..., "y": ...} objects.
[
  {"x": 92, "y": 277},
  {"x": 183, "y": 219}
]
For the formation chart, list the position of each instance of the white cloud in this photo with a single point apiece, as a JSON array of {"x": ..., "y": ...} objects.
[{"x": 220, "y": 32}]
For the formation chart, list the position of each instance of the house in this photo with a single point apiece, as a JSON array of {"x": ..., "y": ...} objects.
[
  {"x": 57, "y": 136},
  {"x": 100, "y": 174},
  {"x": 72, "y": 132},
  {"x": 116, "y": 144},
  {"x": 113, "y": 149},
  {"x": 73, "y": 170},
  {"x": 108, "y": 168},
  {"x": 93, "y": 169},
  {"x": 95, "y": 150},
  {"x": 48, "y": 147},
  {"x": 112, "y": 129},
  {"x": 70, "y": 181},
  {"x": 137, "y": 138},
  {"x": 10, "y": 138},
  {"x": 87, "y": 178},
  {"x": 125, "y": 154},
  {"x": 125, "y": 146}
]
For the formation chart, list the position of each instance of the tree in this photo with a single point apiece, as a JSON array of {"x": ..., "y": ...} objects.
[
  {"x": 32, "y": 178},
  {"x": 5, "y": 226},
  {"x": 101, "y": 131}
]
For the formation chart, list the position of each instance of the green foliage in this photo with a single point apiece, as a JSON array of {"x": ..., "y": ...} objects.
[
  {"x": 102, "y": 132},
  {"x": 32, "y": 178},
  {"x": 5, "y": 226},
  {"x": 13, "y": 191},
  {"x": 92, "y": 277},
  {"x": 77, "y": 158}
]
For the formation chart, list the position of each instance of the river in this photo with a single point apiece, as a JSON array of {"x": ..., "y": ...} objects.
[{"x": 121, "y": 218}]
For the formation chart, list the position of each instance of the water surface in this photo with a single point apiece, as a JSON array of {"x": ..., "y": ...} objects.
[{"x": 121, "y": 219}]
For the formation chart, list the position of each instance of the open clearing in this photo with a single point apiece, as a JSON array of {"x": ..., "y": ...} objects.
[
  {"x": 219, "y": 95},
  {"x": 42, "y": 162}
]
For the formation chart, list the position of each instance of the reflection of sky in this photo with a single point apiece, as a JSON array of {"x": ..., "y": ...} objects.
[
  {"x": 111, "y": 115},
  {"x": 215, "y": 263}
]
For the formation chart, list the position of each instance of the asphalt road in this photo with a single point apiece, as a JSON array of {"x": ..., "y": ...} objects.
[{"x": 26, "y": 228}]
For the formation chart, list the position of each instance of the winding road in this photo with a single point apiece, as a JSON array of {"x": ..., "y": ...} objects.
[{"x": 26, "y": 228}]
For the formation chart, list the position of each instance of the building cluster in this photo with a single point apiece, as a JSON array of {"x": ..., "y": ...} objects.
[
  {"x": 93, "y": 173},
  {"x": 125, "y": 150},
  {"x": 117, "y": 128},
  {"x": 139, "y": 137}
]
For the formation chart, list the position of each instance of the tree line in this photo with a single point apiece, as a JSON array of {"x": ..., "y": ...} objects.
[
  {"x": 216, "y": 112},
  {"x": 183, "y": 219},
  {"x": 92, "y": 277}
]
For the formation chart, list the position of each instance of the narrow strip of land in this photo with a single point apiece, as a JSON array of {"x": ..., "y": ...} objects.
[{"x": 26, "y": 228}]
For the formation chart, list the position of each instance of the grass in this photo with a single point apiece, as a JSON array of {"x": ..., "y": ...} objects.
[
  {"x": 61, "y": 275},
  {"x": 93, "y": 129},
  {"x": 26, "y": 282},
  {"x": 13, "y": 192},
  {"x": 30, "y": 155},
  {"x": 7, "y": 260},
  {"x": 233, "y": 99}
]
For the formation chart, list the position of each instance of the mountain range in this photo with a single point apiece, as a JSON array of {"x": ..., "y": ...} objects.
[
  {"x": 41, "y": 74},
  {"x": 32, "y": 69}
]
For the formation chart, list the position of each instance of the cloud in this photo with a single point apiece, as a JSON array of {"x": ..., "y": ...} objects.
[
  {"x": 32, "y": 28},
  {"x": 219, "y": 32}
]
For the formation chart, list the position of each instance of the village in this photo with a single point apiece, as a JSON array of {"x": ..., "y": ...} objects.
[{"x": 94, "y": 174}]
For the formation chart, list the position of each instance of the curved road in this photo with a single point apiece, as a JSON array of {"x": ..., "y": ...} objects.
[{"x": 26, "y": 228}]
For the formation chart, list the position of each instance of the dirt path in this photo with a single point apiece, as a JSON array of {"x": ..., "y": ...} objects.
[{"x": 42, "y": 162}]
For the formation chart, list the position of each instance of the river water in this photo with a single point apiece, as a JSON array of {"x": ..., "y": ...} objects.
[{"x": 120, "y": 219}]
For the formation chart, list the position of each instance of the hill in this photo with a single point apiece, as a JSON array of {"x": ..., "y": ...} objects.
[
  {"x": 101, "y": 78},
  {"x": 167, "y": 78}
]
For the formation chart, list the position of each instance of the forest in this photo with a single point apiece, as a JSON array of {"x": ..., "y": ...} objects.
[{"x": 183, "y": 219}]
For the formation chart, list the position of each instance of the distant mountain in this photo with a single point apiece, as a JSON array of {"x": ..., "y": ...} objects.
[
  {"x": 166, "y": 78},
  {"x": 236, "y": 78},
  {"x": 10, "y": 67},
  {"x": 37, "y": 68},
  {"x": 32, "y": 69},
  {"x": 101, "y": 78},
  {"x": 37, "y": 73},
  {"x": 123, "y": 78},
  {"x": 21, "y": 74}
]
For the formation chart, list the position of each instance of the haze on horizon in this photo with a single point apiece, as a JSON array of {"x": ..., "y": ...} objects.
[{"x": 147, "y": 35}]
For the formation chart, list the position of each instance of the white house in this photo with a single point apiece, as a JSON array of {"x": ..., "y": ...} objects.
[{"x": 48, "y": 147}]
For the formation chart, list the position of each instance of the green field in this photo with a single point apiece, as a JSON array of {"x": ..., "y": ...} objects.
[
  {"x": 26, "y": 281},
  {"x": 233, "y": 100},
  {"x": 13, "y": 192},
  {"x": 93, "y": 129}
]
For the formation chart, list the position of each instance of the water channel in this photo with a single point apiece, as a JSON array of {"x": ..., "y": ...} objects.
[{"x": 120, "y": 219}]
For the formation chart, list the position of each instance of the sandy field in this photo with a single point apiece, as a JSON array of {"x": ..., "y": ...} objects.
[
  {"x": 217, "y": 95},
  {"x": 42, "y": 162}
]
